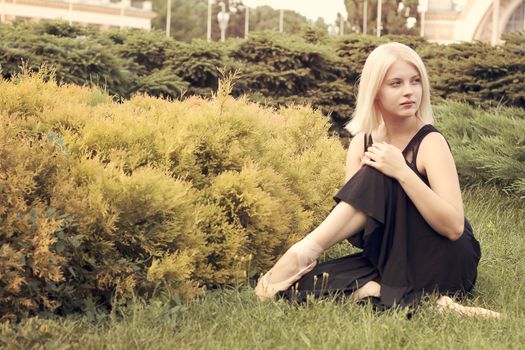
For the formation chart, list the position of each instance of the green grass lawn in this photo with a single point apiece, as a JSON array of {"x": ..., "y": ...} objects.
[{"x": 234, "y": 319}]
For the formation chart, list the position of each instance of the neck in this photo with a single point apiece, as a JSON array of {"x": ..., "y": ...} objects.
[{"x": 397, "y": 126}]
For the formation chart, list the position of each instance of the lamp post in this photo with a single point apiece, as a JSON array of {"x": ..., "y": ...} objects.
[
  {"x": 403, "y": 10},
  {"x": 208, "y": 31},
  {"x": 121, "y": 14},
  {"x": 495, "y": 22},
  {"x": 365, "y": 16},
  {"x": 69, "y": 12},
  {"x": 246, "y": 21},
  {"x": 422, "y": 8},
  {"x": 411, "y": 22},
  {"x": 378, "y": 23},
  {"x": 223, "y": 17},
  {"x": 168, "y": 19}
]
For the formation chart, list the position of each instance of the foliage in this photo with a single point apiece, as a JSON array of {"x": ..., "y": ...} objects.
[
  {"x": 233, "y": 318},
  {"x": 483, "y": 75},
  {"x": 74, "y": 54},
  {"x": 161, "y": 83},
  {"x": 489, "y": 146},
  {"x": 296, "y": 71},
  {"x": 103, "y": 201},
  {"x": 189, "y": 20},
  {"x": 199, "y": 65},
  {"x": 265, "y": 18},
  {"x": 275, "y": 69},
  {"x": 148, "y": 50}
]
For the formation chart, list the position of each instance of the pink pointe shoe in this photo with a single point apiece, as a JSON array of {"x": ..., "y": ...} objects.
[{"x": 267, "y": 291}]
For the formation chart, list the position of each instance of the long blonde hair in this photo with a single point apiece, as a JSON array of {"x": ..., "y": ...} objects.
[{"x": 367, "y": 116}]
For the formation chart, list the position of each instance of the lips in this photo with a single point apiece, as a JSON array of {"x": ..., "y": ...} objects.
[{"x": 407, "y": 103}]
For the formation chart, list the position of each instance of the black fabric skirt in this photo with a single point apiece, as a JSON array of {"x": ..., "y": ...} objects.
[{"x": 400, "y": 250}]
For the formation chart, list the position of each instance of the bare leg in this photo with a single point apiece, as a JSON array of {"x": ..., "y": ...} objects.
[
  {"x": 342, "y": 222},
  {"x": 447, "y": 304}
]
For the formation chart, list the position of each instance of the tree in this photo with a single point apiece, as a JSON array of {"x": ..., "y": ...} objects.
[
  {"x": 261, "y": 18},
  {"x": 393, "y": 21},
  {"x": 189, "y": 20},
  {"x": 267, "y": 18}
]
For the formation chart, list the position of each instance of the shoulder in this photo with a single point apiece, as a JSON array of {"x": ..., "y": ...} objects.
[
  {"x": 434, "y": 151},
  {"x": 354, "y": 155},
  {"x": 357, "y": 144},
  {"x": 356, "y": 150},
  {"x": 433, "y": 141}
]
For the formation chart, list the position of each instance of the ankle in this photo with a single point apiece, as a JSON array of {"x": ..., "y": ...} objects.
[{"x": 308, "y": 247}]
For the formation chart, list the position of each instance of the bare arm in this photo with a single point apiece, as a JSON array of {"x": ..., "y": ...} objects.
[
  {"x": 440, "y": 204},
  {"x": 354, "y": 156}
]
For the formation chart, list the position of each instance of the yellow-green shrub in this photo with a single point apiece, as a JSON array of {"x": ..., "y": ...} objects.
[
  {"x": 30, "y": 267},
  {"x": 103, "y": 199}
]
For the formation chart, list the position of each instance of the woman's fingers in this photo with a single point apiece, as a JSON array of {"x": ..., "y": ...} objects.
[
  {"x": 384, "y": 157},
  {"x": 377, "y": 148},
  {"x": 375, "y": 153},
  {"x": 370, "y": 155},
  {"x": 370, "y": 162}
]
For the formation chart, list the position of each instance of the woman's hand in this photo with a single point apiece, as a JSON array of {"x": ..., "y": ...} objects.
[{"x": 386, "y": 158}]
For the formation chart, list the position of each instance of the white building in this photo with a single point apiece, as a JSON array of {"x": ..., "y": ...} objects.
[
  {"x": 99, "y": 13},
  {"x": 447, "y": 21}
]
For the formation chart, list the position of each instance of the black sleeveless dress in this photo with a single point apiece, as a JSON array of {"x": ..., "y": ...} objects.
[{"x": 400, "y": 250}]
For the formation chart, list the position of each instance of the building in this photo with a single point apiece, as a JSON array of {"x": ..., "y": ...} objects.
[
  {"x": 447, "y": 21},
  {"x": 97, "y": 13}
]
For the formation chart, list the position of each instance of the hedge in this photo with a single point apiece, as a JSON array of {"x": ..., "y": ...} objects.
[{"x": 274, "y": 69}]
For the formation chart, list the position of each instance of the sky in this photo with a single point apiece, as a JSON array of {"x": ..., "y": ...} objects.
[{"x": 312, "y": 9}]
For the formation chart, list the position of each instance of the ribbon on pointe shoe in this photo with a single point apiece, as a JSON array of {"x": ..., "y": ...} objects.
[{"x": 307, "y": 251}]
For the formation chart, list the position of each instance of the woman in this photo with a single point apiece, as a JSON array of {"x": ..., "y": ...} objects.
[{"x": 401, "y": 204}]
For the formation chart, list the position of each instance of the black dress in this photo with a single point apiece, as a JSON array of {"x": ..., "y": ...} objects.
[{"x": 400, "y": 250}]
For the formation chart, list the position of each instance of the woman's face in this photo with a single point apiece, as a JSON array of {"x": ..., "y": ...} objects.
[{"x": 399, "y": 95}]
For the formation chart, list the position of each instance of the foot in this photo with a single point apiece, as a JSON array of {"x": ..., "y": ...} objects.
[
  {"x": 297, "y": 261},
  {"x": 266, "y": 290},
  {"x": 447, "y": 304},
  {"x": 370, "y": 289}
]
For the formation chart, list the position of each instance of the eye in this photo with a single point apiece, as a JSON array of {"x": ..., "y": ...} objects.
[
  {"x": 416, "y": 80},
  {"x": 395, "y": 83}
]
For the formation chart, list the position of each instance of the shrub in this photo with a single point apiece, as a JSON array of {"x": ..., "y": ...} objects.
[
  {"x": 488, "y": 145},
  {"x": 102, "y": 201}
]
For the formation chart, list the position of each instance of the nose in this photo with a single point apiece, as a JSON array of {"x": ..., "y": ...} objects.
[{"x": 408, "y": 89}]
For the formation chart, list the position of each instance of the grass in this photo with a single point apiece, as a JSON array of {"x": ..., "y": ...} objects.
[{"x": 232, "y": 318}]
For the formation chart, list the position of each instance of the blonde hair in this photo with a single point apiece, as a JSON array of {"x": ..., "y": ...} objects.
[{"x": 367, "y": 116}]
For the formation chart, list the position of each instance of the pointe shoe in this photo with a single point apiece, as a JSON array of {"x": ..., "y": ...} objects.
[
  {"x": 305, "y": 249},
  {"x": 267, "y": 291},
  {"x": 445, "y": 302}
]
